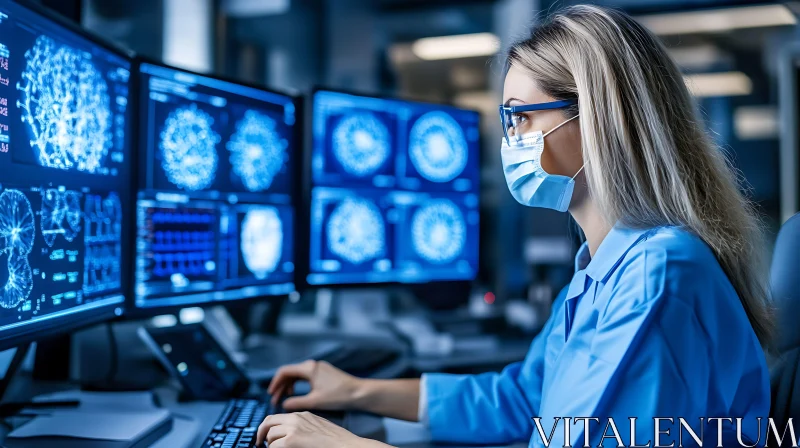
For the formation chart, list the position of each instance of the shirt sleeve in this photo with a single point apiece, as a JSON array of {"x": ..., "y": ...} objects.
[
  {"x": 491, "y": 408},
  {"x": 422, "y": 413}
]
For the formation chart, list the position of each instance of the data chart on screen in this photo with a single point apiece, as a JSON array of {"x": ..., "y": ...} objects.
[
  {"x": 394, "y": 191},
  {"x": 214, "y": 211},
  {"x": 64, "y": 170}
]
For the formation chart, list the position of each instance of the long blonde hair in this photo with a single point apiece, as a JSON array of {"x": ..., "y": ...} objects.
[{"x": 649, "y": 161}]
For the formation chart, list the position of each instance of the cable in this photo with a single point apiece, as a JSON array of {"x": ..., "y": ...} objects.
[{"x": 112, "y": 354}]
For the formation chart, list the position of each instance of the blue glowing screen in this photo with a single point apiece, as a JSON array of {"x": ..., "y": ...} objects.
[
  {"x": 215, "y": 215},
  {"x": 64, "y": 176},
  {"x": 395, "y": 187}
]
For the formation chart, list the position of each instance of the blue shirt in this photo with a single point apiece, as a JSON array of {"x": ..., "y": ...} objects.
[{"x": 649, "y": 327}]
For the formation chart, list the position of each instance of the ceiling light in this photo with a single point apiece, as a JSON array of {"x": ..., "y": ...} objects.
[
  {"x": 704, "y": 85},
  {"x": 756, "y": 122},
  {"x": 718, "y": 20},
  {"x": 698, "y": 57},
  {"x": 459, "y": 46}
]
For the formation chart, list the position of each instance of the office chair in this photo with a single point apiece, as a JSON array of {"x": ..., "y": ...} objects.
[{"x": 785, "y": 284}]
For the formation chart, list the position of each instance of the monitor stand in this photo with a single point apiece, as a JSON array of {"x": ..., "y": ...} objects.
[
  {"x": 16, "y": 362},
  {"x": 353, "y": 310}
]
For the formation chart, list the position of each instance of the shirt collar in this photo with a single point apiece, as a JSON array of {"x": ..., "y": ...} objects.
[
  {"x": 611, "y": 251},
  {"x": 583, "y": 258}
]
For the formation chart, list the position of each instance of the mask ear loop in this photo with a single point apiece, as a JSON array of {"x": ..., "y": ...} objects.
[
  {"x": 562, "y": 124},
  {"x": 579, "y": 172},
  {"x": 555, "y": 129}
]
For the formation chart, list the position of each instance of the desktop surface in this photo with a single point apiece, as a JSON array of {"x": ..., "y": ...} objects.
[
  {"x": 64, "y": 174},
  {"x": 395, "y": 191},
  {"x": 215, "y": 213}
]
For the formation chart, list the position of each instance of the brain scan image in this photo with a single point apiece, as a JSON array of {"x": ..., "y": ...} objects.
[
  {"x": 52, "y": 216},
  {"x": 61, "y": 215},
  {"x": 72, "y": 214},
  {"x": 19, "y": 283},
  {"x": 438, "y": 231},
  {"x": 257, "y": 151},
  {"x": 188, "y": 148},
  {"x": 437, "y": 147},
  {"x": 17, "y": 231},
  {"x": 262, "y": 241},
  {"x": 356, "y": 231},
  {"x": 65, "y": 103},
  {"x": 17, "y": 227},
  {"x": 361, "y": 144}
]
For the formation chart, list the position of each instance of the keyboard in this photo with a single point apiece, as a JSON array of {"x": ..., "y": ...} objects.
[{"x": 237, "y": 426}]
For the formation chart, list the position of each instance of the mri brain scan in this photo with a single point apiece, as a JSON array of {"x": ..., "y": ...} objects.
[
  {"x": 188, "y": 148},
  {"x": 356, "y": 231},
  {"x": 61, "y": 215},
  {"x": 437, "y": 147},
  {"x": 262, "y": 241},
  {"x": 438, "y": 231},
  {"x": 361, "y": 144},
  {"x": 65, "y": 103},
  {"x": 17, "y": 230},
  {"x": 257, "y": 151}
]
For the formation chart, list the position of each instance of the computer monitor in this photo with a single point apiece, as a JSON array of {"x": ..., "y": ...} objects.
[
  {"x": 215, "y": 212},
  {"x": 64, "y": 175},
  {"x": 394, "y": 192}
]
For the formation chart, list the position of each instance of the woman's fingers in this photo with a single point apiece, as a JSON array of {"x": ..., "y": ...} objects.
[
  {"x": 280, "y": 392},
  {"x": 275, "y": 433},
  {"x": 289, "y": 374},
  {"x": 270, "y": 422},
  {"x": 301, "y": 403},
  {"x": 280, "y": 443}
]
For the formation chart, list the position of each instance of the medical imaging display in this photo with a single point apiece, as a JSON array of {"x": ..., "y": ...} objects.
[
  {"x": 394, "y": 195},
  {"x": 356, "y": 231},
  {"x": 214, "y": 210},
  {"x": 188, "y": 148},
  {"x": 361, "y": 144},
  {"x": 64, "y": 176}
]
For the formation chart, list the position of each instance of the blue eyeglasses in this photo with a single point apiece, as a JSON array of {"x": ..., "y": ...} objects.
[{"x": 507, "y": 112}]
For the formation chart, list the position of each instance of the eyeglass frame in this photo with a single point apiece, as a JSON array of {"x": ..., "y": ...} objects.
[{"x": 507, "y": 112}]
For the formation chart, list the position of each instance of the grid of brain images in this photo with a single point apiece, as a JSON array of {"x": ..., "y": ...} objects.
[
  {"x": 224, "y": 149},
  {"x": 394, "y": 189},
  {"x": 192, "y": 147},
  {"x": 64, "y": 154}
]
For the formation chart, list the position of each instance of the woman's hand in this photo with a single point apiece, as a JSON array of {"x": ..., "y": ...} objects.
[
  {"x": 331, "y": 389},
  {"x": 306, "y": 430}
]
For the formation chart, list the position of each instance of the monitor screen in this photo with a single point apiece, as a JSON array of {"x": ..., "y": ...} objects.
[
  {"x": 64, "y": 172},
  {"x": 215, "y": 214},
  {"x": 395, "y": 191}
]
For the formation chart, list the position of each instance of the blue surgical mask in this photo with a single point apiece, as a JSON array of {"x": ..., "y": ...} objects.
[{"x": 528, "y": 182}]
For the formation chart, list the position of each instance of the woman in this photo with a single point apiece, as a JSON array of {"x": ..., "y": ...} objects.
[{"x": 667, "y": 312}]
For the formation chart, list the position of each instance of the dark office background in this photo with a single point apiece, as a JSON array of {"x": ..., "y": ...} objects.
[{"x": 366, "y": 45}]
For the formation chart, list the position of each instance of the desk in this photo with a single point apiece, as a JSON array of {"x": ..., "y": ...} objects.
[
  {"x": 193, "y": 420},
  {"x": 396, "y": 433}
]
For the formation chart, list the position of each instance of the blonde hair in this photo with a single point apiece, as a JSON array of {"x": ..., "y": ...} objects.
[{"x": 648, "y": 159}]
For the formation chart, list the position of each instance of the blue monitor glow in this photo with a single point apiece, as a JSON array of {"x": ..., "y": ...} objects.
[
  {"x": 395, "y": 191},
  {"x": 215, "y": 215},
  {"x": 64, "y": 176}
]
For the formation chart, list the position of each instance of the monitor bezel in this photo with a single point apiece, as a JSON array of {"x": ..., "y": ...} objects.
[
  {"x": 105, "y": 313},
  {"x": 789, "y": 89},
  {"x": 132, "y": 311},
  {"x": 307, "y": 184}
]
